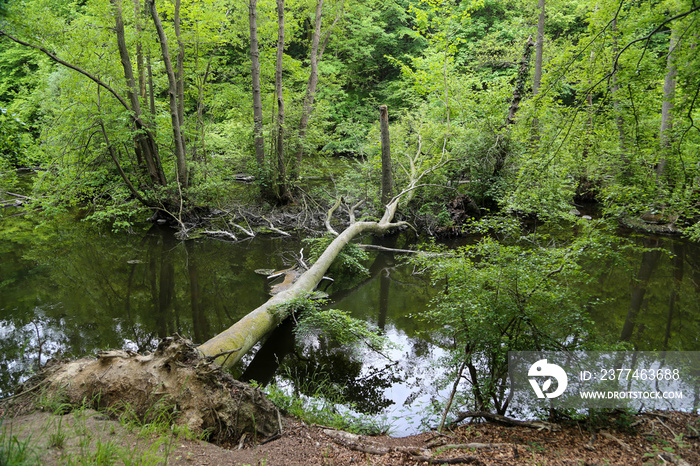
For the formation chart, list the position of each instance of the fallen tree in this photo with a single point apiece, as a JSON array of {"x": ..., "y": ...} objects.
[{"x": 229, "y": 346}]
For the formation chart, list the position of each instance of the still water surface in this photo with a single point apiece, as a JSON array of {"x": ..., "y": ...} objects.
[{"x": 67, "y": 289}]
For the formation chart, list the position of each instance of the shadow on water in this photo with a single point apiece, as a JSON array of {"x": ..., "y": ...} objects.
[{"x": 67, "y": 289}]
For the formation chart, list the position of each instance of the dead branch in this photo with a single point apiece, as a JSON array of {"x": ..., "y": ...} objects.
[
  {"x": 612, "y": 437},
  {"x": 474, "y": 445},
  {"x": 458, "y": 460},
  {"x": 221, "y": 233},
  {"x": 330, "y": 215},
  {"x": 499, "y": 419},
  {"x": 276, "y": 230},
  {"x": 364, "y": 445},
  {"x": 248, "y": 232}
]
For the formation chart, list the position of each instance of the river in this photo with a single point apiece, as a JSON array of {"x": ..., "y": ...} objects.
[{"x": 68, "y": 289}]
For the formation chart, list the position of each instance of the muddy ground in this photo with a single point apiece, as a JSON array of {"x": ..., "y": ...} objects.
[{"x": 661, "y": 438}]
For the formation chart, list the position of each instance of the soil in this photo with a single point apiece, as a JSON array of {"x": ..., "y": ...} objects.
[{"x": 657, "y": 438}]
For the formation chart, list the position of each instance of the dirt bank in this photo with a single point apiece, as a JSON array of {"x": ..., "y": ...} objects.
[{"x": 91, "y": 438}]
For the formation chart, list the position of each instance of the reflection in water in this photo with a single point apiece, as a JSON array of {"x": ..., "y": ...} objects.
[
  {"x": 650, "y": 259},
  {"x": 67, "y": 289}
]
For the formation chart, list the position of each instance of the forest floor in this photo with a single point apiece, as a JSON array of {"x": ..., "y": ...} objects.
[{"x": 88, "y": 437}]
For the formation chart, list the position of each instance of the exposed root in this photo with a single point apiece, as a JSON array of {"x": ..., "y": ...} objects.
[
  {"x": 365, "y": 445},
  {"x": 503, "y": 420},
  {"x": 175, "y": 382}
]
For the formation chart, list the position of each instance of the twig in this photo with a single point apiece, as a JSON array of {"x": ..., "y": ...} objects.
[
  {"x": 244, "y": 230},
  {"x": 276, "y": 230},
  {"x": 612, "y": 437}
]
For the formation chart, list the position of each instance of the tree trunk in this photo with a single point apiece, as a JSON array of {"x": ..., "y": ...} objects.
[
  {"x": 281, "y": 170},
  {"x": 667, "y": 106},
  {"x": 539, "y": 49},
  {"x": 310, "y": 85},
  {"x": 139, "y": 50},
  {"x": 180, "y": 159},
  {"x": 387, "y": 179},
  {"x": 145, "y": 145},
  {"x": 519, "y": 90},
  {"x": 537, "y": 79},
  {"x": 619, "y": 119},
  {"x": 237, "y": 340},
  {"x": 255, "y": 75}
]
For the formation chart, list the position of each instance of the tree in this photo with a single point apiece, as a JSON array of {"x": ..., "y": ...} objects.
[
  {"x": 132, "y": 90},
  {"x": 282, "y": 192},
  {"x": 255, "y": 77}
]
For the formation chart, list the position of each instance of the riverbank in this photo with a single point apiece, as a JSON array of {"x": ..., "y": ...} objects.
[{"x": 86, "y": 436}]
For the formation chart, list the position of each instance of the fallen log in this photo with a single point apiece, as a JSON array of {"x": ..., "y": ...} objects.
[{"x": 245, "y": 333}]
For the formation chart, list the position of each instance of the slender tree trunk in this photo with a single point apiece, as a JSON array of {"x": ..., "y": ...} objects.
[
  {"x": 539, "y": 49},
  {"x": 180, "y": 68},
  {"x": 310, "y": 85},
  {"x": 537, "y": 79},
  {"x": 139, "y": 50},
  {"x": 519, "y": 91},
  {"x": 114, "y": 157},
  {"x": 151, "y": 91},
  {"x": 146, "y": 146},
  {"x": 619, "y": 119},
  {"x": 180, "y": 159},
  {"x": 387, "y": 178},
  {"x": 667, "y": 106},
  {"x": 255, "y": 75},
  {"x": 282, "y": 192}
]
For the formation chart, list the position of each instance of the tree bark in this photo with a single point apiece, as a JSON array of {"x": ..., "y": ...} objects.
[
  {"x": 180, "y": 159},
  {"x": 310, "y": 85},
  {"x": 387, "y": 179},
  {"x": 145, "y": 144},
  {"x": 139, "y": 49},
  {"x": 519, "y": 90},
  {"x": 281, "y": 170},
  {"x": 667, "y": 106},
  {"x": 255, "y": 75}
]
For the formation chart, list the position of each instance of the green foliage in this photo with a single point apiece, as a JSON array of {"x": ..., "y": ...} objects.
[
  {"x": 501, "y": 297},
  {"x": 340, "y": 327},
  {"x": 349, "y": 263},
  {"x": 14, "y": 140},
  {"x": 325, "y": 406}
]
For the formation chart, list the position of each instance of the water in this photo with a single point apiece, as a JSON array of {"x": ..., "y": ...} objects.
[{"x": 68, "y": 289}]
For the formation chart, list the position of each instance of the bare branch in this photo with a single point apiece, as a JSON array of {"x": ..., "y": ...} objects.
[
  {"x": 330, "y": 214},
  {"x": 94, "y": 78}
]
